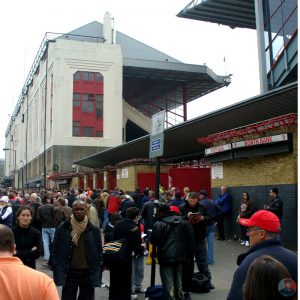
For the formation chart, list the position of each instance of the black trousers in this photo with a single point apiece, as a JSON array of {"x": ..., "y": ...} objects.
[
  {"x": 201, "y": 257},
  {"x": 120, "y": 280},
  {"x": 220, "y": 225},
  {"x": 187, "y": 275},
  {"x": 78, "y": 279}
]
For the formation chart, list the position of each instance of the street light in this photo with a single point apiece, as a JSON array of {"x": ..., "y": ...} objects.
[{"x": 15, "y": 161}]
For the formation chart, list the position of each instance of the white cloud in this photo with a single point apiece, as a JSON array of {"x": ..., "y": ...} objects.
[{"x": 24, "y": 23}]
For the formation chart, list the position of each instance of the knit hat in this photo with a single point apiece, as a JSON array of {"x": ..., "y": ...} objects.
[
  {"x": 204, "y": 193},
  {"x": 4, "y": 199},
  {"x": 177, "y": 194},
  {"x": 263, "y": 219}
]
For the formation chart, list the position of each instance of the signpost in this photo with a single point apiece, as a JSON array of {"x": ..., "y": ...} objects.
[{"x": 156, "y": 149}]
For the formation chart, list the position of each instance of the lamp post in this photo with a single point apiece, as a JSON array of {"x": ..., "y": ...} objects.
[
  {"x": 22, "y": 174},
  {"x": 15, "y": 162}
]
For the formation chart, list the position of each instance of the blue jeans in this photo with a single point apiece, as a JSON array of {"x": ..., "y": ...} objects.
[
  {"x": 245, "y": 236},
  {"x": 137, "y": 272},
  {"x": 104, "y": 218},
  {"x": 210, "y": 235},
  {"x": 48, "y": 237}
]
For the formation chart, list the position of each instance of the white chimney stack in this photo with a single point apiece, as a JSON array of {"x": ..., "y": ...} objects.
[{"x": 107, "y": 29}]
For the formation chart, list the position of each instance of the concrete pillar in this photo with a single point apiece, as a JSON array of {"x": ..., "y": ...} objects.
[
  {"x": 85, "y": 181},
  {"x": 105, "y": 180},
  {"x": 95, "y": 181},
  {"x": 261, "y": 46}
]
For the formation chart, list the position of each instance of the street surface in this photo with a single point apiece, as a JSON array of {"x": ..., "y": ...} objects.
[{"x": 222, "y": 272}]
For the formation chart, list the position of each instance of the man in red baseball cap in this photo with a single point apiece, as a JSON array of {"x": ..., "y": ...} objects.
[
  {"x": 262, "y": 219},
  {"x": 263, "y": 231}
]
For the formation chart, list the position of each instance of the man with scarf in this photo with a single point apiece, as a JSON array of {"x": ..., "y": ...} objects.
[{"x": 77, "y": 255}]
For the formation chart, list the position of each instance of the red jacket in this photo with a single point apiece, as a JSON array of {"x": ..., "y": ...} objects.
[{"x": 113, "y": 203}]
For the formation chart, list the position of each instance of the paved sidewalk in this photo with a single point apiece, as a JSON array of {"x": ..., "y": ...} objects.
[{"x": 222, "y": 271}]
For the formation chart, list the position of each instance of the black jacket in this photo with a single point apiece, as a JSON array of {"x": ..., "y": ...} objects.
[
  {"x": 275, "y": 207},
  {"x": 268, "y": 247},
  {"x": 62, "y": 253},
  {"x": 147, "y": 215},
  {"x": 199, "y": 228},
  {"x": 125, "y": 205},
  {"x": 137, "y": 198},
  {"x": 126, "y": 228},
  {"x": 108, "y": 233},
  {"x": 26, "y": 239},
  {"x": 46, "y": 215},
  {"x": 174, "y": 239}
]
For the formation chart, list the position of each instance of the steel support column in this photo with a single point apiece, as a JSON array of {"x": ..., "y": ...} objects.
[{"x": 184, "y": 101}]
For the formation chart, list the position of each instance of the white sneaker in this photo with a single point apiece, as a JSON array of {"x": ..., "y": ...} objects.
[
  {"x": 242, "y": 242},
  {"x": 140, "y": 290},
  {"x": 247, "y": 244},
  {"x": 133, "y": 296}
]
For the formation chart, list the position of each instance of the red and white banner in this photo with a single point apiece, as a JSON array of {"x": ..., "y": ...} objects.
[
  {"x": 261, "y": 141},
  {"x": 217, "y": 149}
]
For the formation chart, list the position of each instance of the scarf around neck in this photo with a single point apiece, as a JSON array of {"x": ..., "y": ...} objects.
[{"x": 77, "y": 229}]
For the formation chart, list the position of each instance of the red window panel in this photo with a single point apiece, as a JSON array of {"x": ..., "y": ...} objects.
[{"x": 88, "y": 103}]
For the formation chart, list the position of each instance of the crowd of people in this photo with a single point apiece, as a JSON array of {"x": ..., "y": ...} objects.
[{"x": 70, "y": 227}]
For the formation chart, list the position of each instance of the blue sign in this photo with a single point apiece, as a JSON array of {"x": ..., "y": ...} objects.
[{"x": 155, "y": 145}]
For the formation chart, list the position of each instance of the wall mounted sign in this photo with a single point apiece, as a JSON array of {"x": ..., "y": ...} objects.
[
  {"x": 217, "y": 170},
  {"x": 261, "y": 141},
  {"x": 124, "y": 173},
  {"x": 217, "y": 149}
]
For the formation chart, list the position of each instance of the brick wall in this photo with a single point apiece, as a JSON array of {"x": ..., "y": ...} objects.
[
  {"x": 257, "y": 175},
  {"x": 261, "y": 170},
  {"x": 259, "y": 196},
  {"x": 130, "y": 183}
]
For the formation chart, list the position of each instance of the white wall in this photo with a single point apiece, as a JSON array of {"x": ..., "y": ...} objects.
[
  {"x": 71, "y": 56},
  {"x": 65, "y": 57}
]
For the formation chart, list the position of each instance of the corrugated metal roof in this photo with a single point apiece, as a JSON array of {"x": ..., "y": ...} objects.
[
  {"x": 131, "y": 47},
  {"x": 181, "y": 140},
  {"x": 146, "y": 68},
  {"x": 233, "y": 13}
]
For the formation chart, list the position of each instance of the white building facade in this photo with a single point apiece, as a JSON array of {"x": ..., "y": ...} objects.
[
  {"x": 44, "y": 127},
  {"x": 73, "y": 102}
]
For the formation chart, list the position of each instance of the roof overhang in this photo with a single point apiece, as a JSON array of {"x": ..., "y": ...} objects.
[
  {"x": 232, "y": 13},
  {"x": 167, "y": 78},
  {"x": 181, "y": 140}
]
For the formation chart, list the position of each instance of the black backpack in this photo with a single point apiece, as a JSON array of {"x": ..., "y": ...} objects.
[
  {"x": 200, "y": 283},
  {"x": 154, "y": 292}
]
